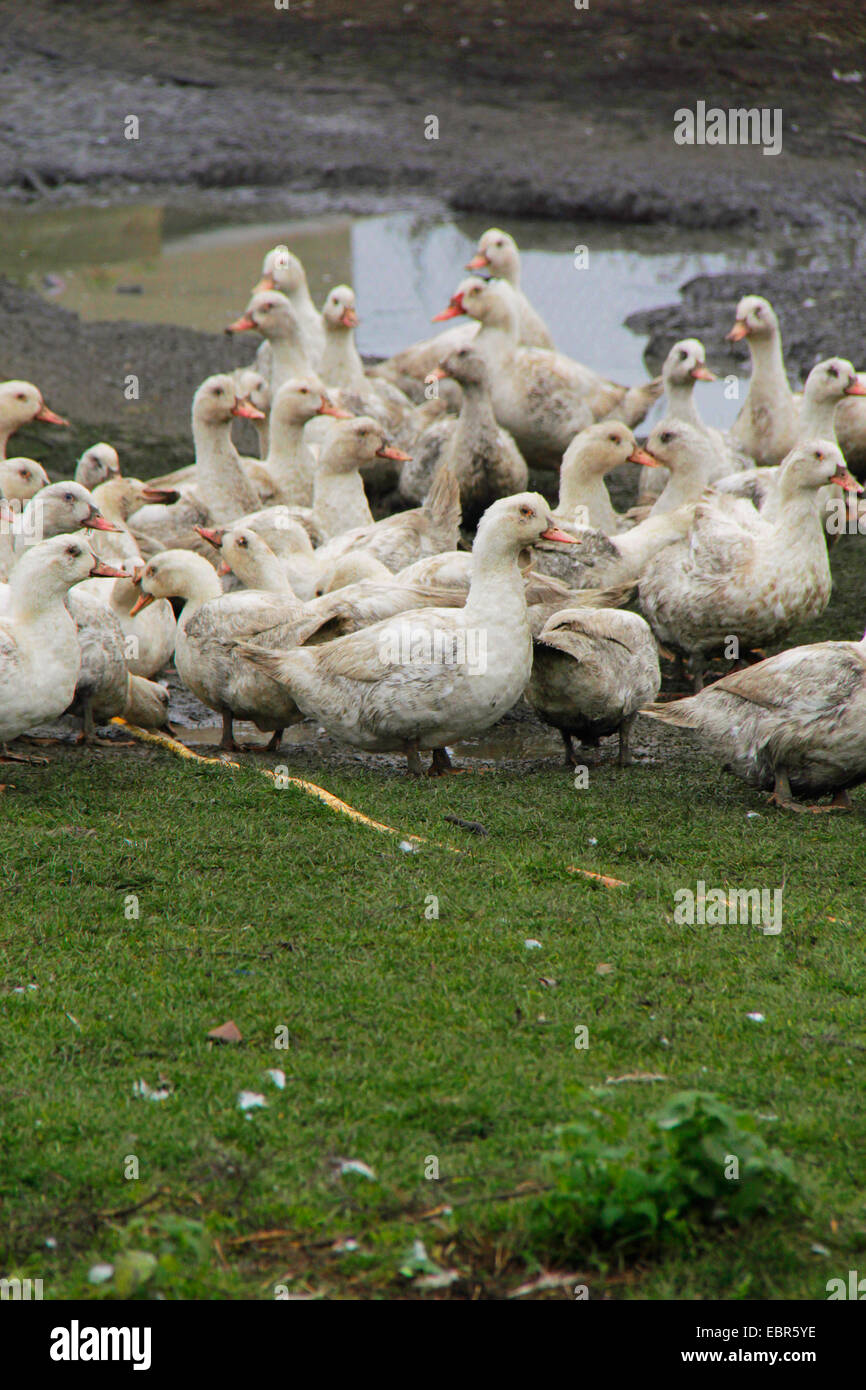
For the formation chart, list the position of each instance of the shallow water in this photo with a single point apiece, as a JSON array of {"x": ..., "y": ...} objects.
[{"x": 163, "y": 264}]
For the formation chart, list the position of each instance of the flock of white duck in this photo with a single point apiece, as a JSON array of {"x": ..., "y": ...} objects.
[{"x": 296, "y": 603}]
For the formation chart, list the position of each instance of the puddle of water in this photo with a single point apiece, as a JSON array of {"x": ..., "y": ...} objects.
[{"x": 170, "y": 265}]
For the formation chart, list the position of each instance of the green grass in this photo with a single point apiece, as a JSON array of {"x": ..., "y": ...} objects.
[{"x": 409, "y": 1037}]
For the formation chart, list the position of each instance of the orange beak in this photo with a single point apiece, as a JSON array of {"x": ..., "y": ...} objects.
[
  {"x": 856, "y": 389},
  {"x": 478, "y": 262},
  {"x": 437, "y": 374},
  {"x": 242, "y": 325},
  {"x": 247, "y": 411},
  {"x": 49, "y": 416},
  {"x": 102, "y": 571},
  {"x": 210, "y": 533},
  {"x": 454, "y": 310},
  {"x": 738, "y": 331},
  {"x": 703, "y": 374},
  {"x": 388, "y": 451},
  {"x": 350, "y": 319},
  {"x": 266, "y": 283},
  {"x": 842, "y": 478},
  {"x": 641, "y": 456},
  {"x": 98, "y": 523},
  {"x": 328, "y": 408},
  {"x": 224, "y": 567},
  {"x": 553, "y": 533},
  {"x": 141, "y": 602}
]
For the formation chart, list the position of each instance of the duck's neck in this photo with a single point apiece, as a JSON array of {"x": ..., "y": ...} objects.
[
  {"x": 476, "y": 423},
  {"x": 265, "y": 572},
  {"x": 497, "y": 593},
  {"x": 797, "y": 519},
  {"x": 288, "y": 359},
  {"x": 681, "y": 402},
  {"x": 580, "y": 486},
  {"x": 290, "y": 462},
  {"x": 36, "y": 602},
  {"x": 816, "y": 420},
  {"x": 684, "y": 485},
  {"x": 200, "y": 584},
  {"x": 339, "y": 502},
  {"x": 224, "y": 487},
  {"x": 768, "y": 386},
  {"x": 341, "y": 364}
]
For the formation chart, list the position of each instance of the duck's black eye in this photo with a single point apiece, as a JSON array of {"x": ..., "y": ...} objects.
[
  {"x": 72, "y": 550},
  {"x": 614, "y": 438},
  {"x": 242, "y": 541},
  {"x": 69, "y": 496},
  {"x": 683, "y": 355},
  {"x": 832, "y": 371},
  {"x": 527, "y": 511},
  {"x": 666, "y": 437}
]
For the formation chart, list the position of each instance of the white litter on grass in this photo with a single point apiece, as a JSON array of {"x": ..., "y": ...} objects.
[
  {"x": 408, "y": 848},
  {"x": 819, "y": 1249},
  {"x": 344, "y": 1247},
  {"x": 51, "y": 1242},
  {"x": 99, "y": 1274},
  {"x": 251, "y": 1100},
  {"x": 592, "y": 840},
  {"x": 354, "y": 1165},
  {"x": 853, "y": 76},
  {"x": 141, "y": 1088},
  {"x": 531, "y": 944},
  {"x": 277, "y": 1076},
  {"x": 753, "y": 815},
  {"x": 756, "y": 1018}
]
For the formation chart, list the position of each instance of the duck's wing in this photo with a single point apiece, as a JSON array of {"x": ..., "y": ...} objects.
[
  {"x": 814, "y": 681},
  {"x": 420, "y": 645}
]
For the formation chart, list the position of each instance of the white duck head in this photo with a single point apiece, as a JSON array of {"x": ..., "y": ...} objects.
[
  {"x": 20, "y": 404},
  {"x": 686, "y": 363},
  {"x": 755, "y": 319},
  {"x": 96, "y": 465},
  {"x": 498, "y": 253},
  {"x": 21, "y": 479},
  {"x": 352, "y": 443},
  {"x": 338, "y": 310}
]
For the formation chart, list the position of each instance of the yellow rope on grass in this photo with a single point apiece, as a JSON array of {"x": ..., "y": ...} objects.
[{"x": 311, "y": 788}]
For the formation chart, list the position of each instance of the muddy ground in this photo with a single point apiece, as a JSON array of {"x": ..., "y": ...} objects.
[{"x": 543, "y": 110}]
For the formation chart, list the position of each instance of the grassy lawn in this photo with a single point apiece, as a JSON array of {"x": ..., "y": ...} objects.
[{"x": 409, "y": 1036}]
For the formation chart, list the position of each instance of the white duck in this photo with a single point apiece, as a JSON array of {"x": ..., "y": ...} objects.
[
  {"x": 794, "y": 724},
  {"x": 828, "y": 384},
  {"x": 542, "y": 398},
  {"x": 482, "y": 456},
  {"x": 206, "y": 658},
  {"x": 686, "y": 364},
  {"x": 20, "y": 404},
  {"x": 271, "y": 315},
  {"x": 498, "y": 253},
  {"x": 290, "y": 462},
  {"x": 766, "y": 424},
  {"x": 398, "y": 540},
  {"x": 435, "y": 675},
  {"x": 339, "y": 500},
  {"x": 592, "y": 671},
  {"x": 97, "y": 465},
  {"x": 739, "y": 576},
  {"x": 222, "y": 492},
  {"x": 106, "y": 685},
  {"x": 21, "y": 478},
  {"x": 592, "y": 453},
  {"x": 117, "y": 500},
  {"x": 149, "y": 638},
  {"x": 40, "y": 657},
  {"x": 284, "y": 272}
]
